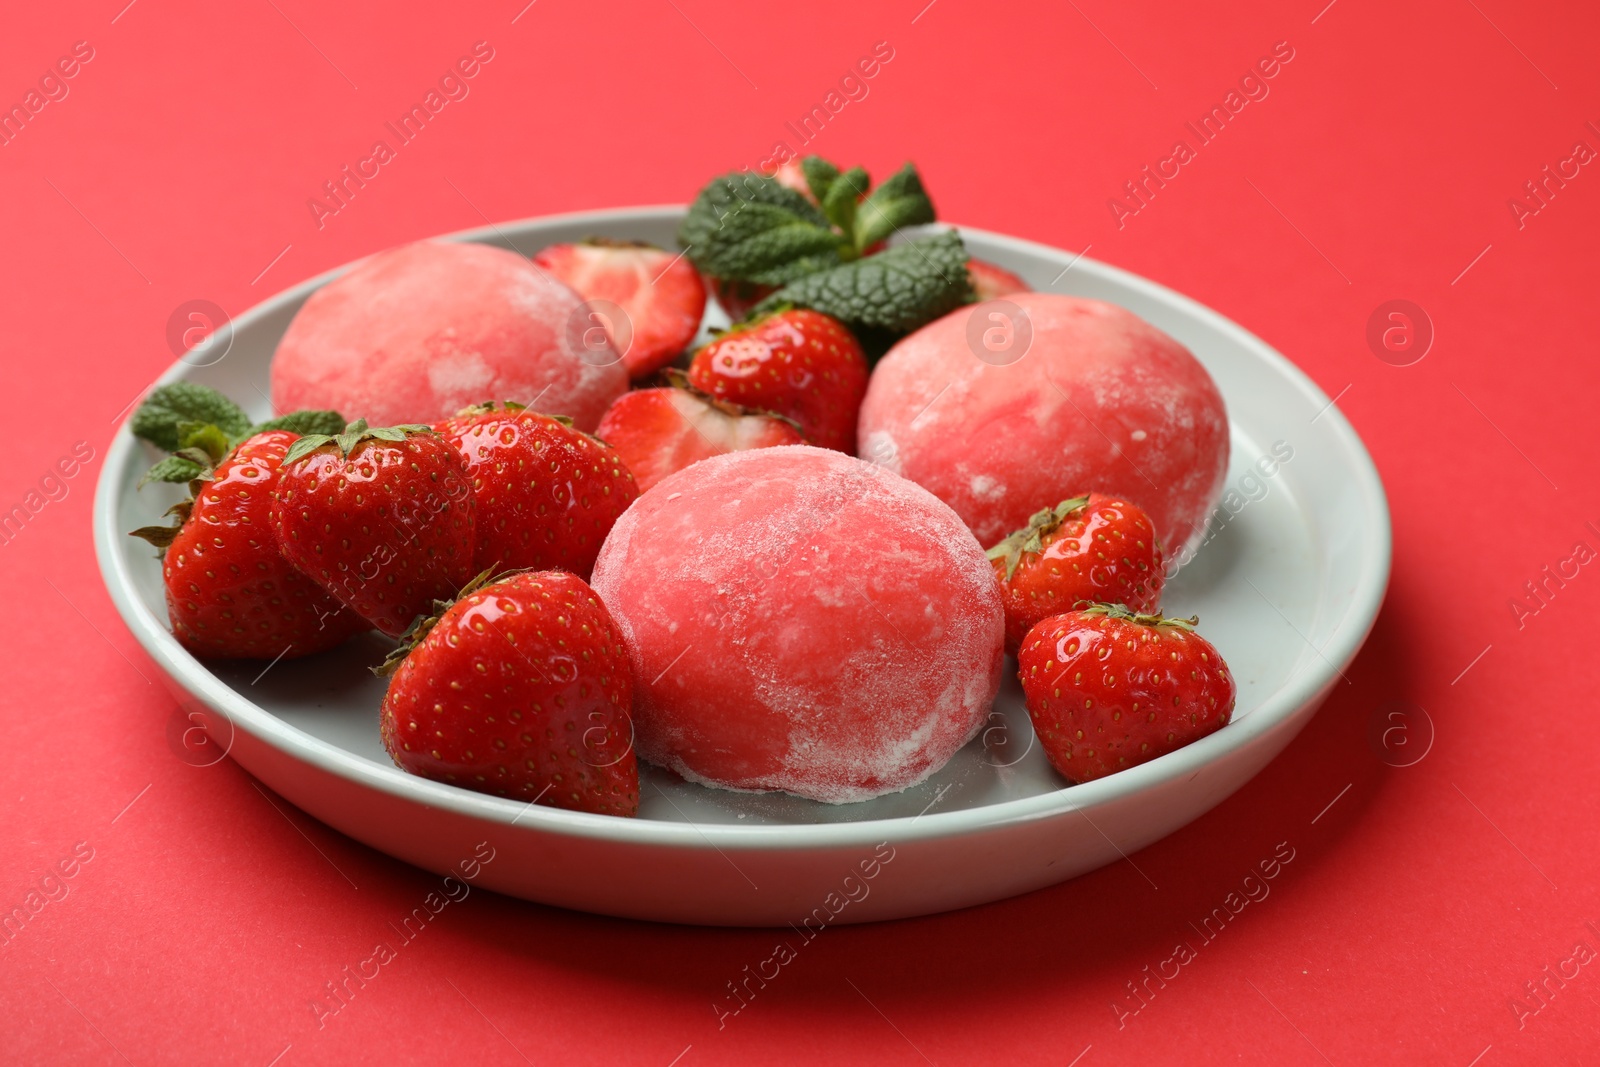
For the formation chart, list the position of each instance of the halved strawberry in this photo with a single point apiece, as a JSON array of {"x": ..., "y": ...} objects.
[
  {"x": 799, "y": 363},
  {"x": 661, "y": 431},
  {"x": 990, "y": 281},
  {"x": 660, "y": 296}
]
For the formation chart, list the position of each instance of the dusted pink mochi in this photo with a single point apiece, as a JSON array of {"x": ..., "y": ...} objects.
[
  {"x": 1099, "y": 400},
  {"x": 419, "y": 332},
  {"x": 801, "y": 620}
]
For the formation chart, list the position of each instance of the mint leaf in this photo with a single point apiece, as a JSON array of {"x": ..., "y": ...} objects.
[
  {"x": 893, "y": 292},
  {"x": 748, "y": 227},
  {"x": 900, "y": 201},
  {"x": 159, "y": 417},
  {"x": 207, "y": 437},
  {"x": 820, "y": 175},
  {"x": 172, "y": 469},
  {"x": 330, "y": 423},
  {"x": 840, "y": 202}
]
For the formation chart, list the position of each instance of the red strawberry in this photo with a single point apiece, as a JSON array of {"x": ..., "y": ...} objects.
[
  {"x": 547, "y": 494},
  {"x": 738, "y": 298},
  {"x": 798, "y": 363},
  {"x": 1094, "y": 548},
  {"x": 380, "y": 518},
  {"x": 990, "y": 281},
  {"x": 660, "y": 295},
  {"x": 1108, "y": 689},
  {"x": 230, "y": 594},
  {"x": 521, "y": 688},
  {"x": 661, "y": 431}
]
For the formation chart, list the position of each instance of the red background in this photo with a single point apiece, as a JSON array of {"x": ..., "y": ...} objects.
[{"x": 1417, "y": 905}]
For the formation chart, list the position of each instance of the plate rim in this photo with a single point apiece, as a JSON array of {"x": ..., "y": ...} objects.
[{"x": 1301, "y": 690}]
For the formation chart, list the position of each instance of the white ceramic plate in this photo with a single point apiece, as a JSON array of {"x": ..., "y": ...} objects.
[{"x": 1287, "y": 590}]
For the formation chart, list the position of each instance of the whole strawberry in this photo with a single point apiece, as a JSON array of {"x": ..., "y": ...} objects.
[
  {"x": 380, "y": 518},
  {"x": 522, "y": 688},
  {"x": 658, "y": 432},
  {"x": 230, "y": 593},
  {"x": 1108, "y": 689},
  {"x": 660, "y": 295},
  {"x": 1094, "y": 548},
  {"x": 798, "y": 363},
  {"x": 546, "y": 494}
]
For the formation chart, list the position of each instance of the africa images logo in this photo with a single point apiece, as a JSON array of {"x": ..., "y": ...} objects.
[
  {"x": 1252, "y": 87},
  {"x": 453, "y": 85}
]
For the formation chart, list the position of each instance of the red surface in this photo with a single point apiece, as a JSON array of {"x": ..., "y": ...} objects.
[{"x": 1416, "y": 906}]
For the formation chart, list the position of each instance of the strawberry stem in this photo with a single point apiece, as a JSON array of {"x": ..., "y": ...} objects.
[
  {"x": 422, "y": 624},
  {"x": 353, "y": 435},
  {"x": 1123, "y": 612},
  {"x": 1031, "y": 537}
]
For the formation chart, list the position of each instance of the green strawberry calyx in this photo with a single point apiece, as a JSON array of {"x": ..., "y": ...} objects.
[
  {"x": 163, "y": 536},
  {"x": 1124, "y": 613},
  {"x": 1031, "y": 537},
  {"x": 353, "y": 435},
  {"x": 513, "y": 408},
  {"x": 418, "y": 631},
  {"x": 201, "y": 447},
  {"x": 199, "y": 428},
  {"x": 508, "y": 407},
  {"x": 490, "y": 407}
]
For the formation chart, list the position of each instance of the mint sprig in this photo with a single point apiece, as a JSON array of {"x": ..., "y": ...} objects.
[
  {"x": 163, "y": 412},
  {"x": 200, "y": 427},
  {"x": 746, "y": 227},
  {"x": 174, "y": 469},
  {"x": 839, "y": 201},
  {"x": 819, "y": 175},
  {"x": 302, "y": 422},
  {"x": 751, "y": 228},
  {"x": 893, "y": 292},
  {"x": 899, "y": 202}
]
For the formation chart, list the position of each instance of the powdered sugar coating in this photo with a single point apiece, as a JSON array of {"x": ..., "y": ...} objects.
[
  {"x": 419, "y": 332},
  {"x": 1101, "y": 400},
  {"x": 802, "y": 620}
]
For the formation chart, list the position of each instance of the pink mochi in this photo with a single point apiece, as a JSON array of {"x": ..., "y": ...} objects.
[
  {"x": 1099, "y": 400},
  {"x": 801, "y": 620},
  {"x": 417, "y": 333}
]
